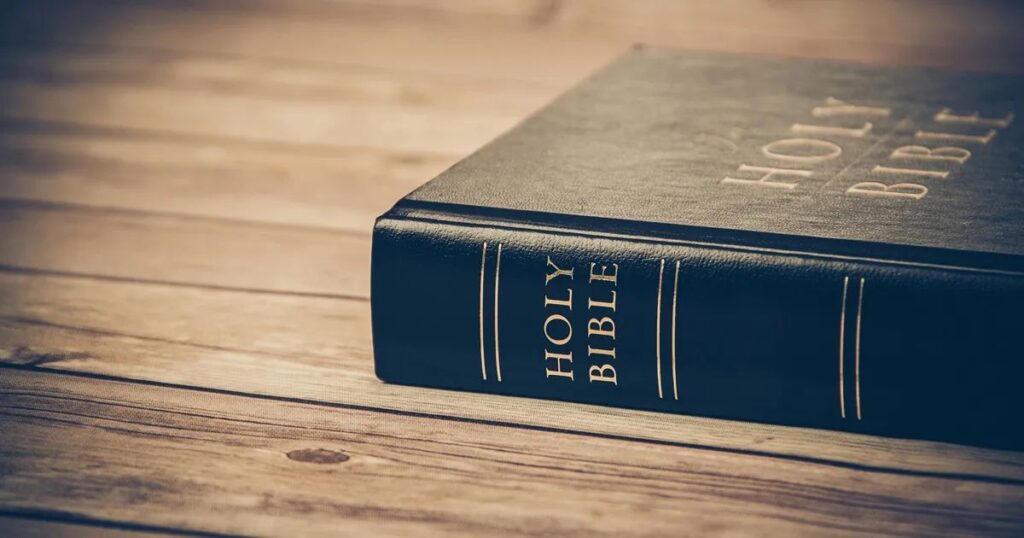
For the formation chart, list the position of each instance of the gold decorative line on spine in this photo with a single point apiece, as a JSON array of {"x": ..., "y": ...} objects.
[
  {"x": 657, "y": 329},
  {"x": 497, "y": 277},
  {"x": 483, "y": 262},
  {"x": 856, "y": 346},
  {"x": 675, "y": 291},
  {"x": 842, "y": 336}
]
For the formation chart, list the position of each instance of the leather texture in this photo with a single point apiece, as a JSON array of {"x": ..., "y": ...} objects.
[{"x": 650, "y": 138}]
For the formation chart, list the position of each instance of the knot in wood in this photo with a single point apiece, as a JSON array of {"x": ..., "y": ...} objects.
[{"x": 318, "y": 455}]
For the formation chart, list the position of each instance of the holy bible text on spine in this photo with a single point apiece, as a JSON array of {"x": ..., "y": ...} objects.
[{"x": 775, "y": 240}]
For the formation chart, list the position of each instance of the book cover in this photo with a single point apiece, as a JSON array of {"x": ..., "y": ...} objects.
[{"x": 785, "y": 241}]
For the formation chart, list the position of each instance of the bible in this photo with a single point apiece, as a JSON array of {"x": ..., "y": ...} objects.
[{"x": 787, "y": 241}]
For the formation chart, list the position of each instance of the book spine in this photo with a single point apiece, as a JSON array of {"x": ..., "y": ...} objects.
[{"x": 793, "y": 338}]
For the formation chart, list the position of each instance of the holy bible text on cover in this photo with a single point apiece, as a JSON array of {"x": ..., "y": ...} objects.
[{"x": 774, "y": 240}]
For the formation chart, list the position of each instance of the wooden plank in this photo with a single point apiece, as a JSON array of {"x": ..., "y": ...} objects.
[
  {"x": 129, "y": 245},
  {"x": 318, "y": 349},
  {"x": 207, "y": 176},
  {"x": 261, "y": 100},
  {"x": 249, "y": 118},
  {"x": 541, "y": 40},
  {"x": 284, "y": 81},
  {"x": 209, "y": 134},
  {"x": 166, "y": 457},
  {"x": 356, "y": 37}
]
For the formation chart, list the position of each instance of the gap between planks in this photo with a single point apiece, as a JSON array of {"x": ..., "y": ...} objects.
[{"x": 57, "y": 523}]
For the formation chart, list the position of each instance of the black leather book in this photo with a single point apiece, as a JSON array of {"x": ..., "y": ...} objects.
[{"x": 775, "y": 240}]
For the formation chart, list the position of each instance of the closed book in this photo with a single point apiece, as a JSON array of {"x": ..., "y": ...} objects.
[{"x": 785, "y": 241}]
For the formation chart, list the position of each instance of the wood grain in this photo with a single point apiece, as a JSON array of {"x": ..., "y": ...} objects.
[
  {"x": 145, "y": 103},
  {"x": 329, "y": 33},
  {"x": 572, "y": 37},
  {"x": 273, "y": 81},
  {"x": 168, "y": 248},
  {"x": 207, "y": 176},
  {"x": 162, "y": 456},
  {"x": 186, "y": 194},
  {"x": 126, "y": 78}
]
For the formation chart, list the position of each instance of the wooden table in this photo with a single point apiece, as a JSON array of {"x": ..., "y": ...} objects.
[{"x": 186, "y": 195}]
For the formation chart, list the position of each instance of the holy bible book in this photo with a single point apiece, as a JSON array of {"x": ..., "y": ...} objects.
[{"x": 782, "y": 241}]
